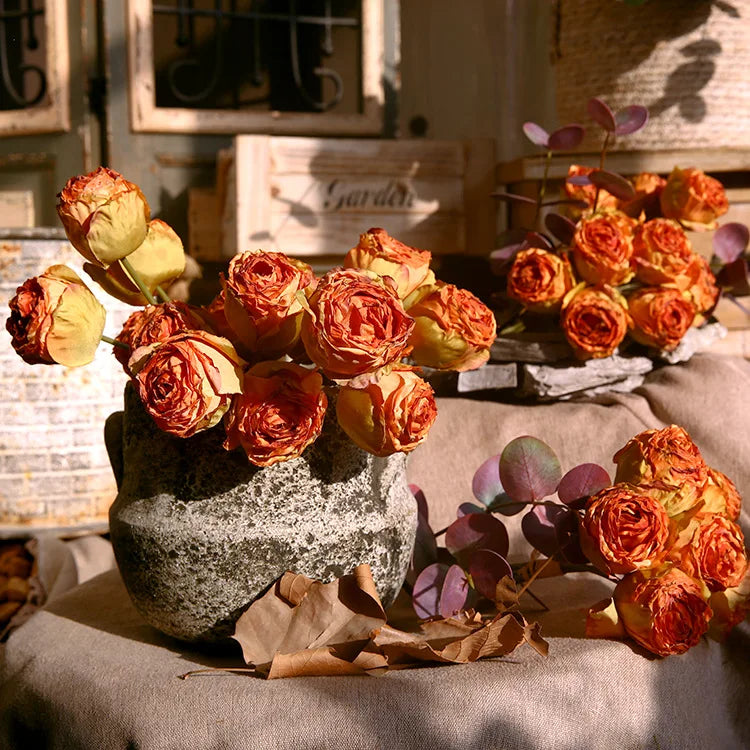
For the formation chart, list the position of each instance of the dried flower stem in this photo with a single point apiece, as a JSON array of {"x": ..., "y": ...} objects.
[
  {"x": 216, "y": 669},
  {"x": 542, "y": 186},
  {"x": 534, "y": 575},
  {"x": 128, "y": 266},
  {"x": 164, "y": 296},
  {"x": 114, "y": 342}
]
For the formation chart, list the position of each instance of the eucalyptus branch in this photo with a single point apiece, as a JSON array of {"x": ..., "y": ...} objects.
[{"x": 542, "y": 186}]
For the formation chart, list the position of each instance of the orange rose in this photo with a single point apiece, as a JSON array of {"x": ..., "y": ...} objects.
[
  {"x": 664, "y": 610},
  {"x": 55, "y": 319},
  {"x": 391, "y": 414},
  {"x": 453, "y": 330},
  {"x": 715, "y": 553},
  {"x": 667, "y": 458},
  {"x": 663, "y": 255},
  {"x": 539, "y": 279},
  {"x": 278, "y": 414},
  {"x": 186, "y": 383},
  {"x": 719, "y": 495},
  {"x": 624, "y": 528},
  {"x": 104, "y": 215},
  {"x": 661, "y": 316},
  {"x": 356, "y": 324},
  {"x": 704, "y": 293},
  {"x": 380, "y": 253},
  {"x": 217, "y": 317},
  {"x": 693, "y": 198},
  {"x": 594, "y": 321},
  {"x": 730, "y": 607},
  {"x": 261, "y": 301},
  {"x": 648, "y": 187},
  {"x": 586, "y": 193},
  {"x": 602, "y": 248}
]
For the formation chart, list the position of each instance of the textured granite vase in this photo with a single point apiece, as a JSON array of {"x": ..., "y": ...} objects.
[{"x": 199, "y": 532}]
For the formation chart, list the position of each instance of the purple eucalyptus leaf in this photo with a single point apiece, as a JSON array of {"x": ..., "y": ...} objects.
[
  {"x": 730, "y": 241},
  {"x": 581, "y": 481},
  {"x": 529, "y": 469},
  {"x": 601, "y": 114},
  {"x": 578, "y": 179},
  {"x": 422, "y": 508},
  {"x": 466, "y": 508},
  {"x": 540, "y": 524},
  {"x": 536, "y": 134},
  {"x": 487, "y": 568},
  {"x": 630, "y": 119},
  {"x": 568, "y": 539},
  {"x": 573, "y": 202},
  {"x": 566, "y": 138},
  {"x": 454, "y": 593},
  {"x": 476, "y": 531},
  {"x": 513, "y": 198},
  {"x": 535, "y": 239},
  {"x": 561, "y": 226},
  {"x": 734, "y": 278},
  {"x": 427, "y": 590},
  {"x": 485, "y": 484},
  {"x": 613, "y": 183},
  {"x": 505, "y": 505}
]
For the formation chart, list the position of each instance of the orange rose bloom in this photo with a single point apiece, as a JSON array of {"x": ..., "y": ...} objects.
[
  {"x": 357, "y": 324},
  {"x": 186, "y": 383},
  {"x": 664, "y": 610},
  {"x": 661, "y": 316},
  {"x": 602, "y": 248},
  {"x": 539, "y": 279},
  {"x": 380, "y": 253},
  {"x": 663, "y": 255},
  {"x": 648, "y": 187},
  {"x": 389, "y": 415},
  {"x": 715, "y": 553},
  {"x": 624, "y": 528},
  {"x": 704, "y": 293},
  {"x": 216, "y": 316},
  {"x": 720, "y": 495},
  {"x": 278, "y": 414},
  {"x": 453, "y": 330},
  {"x": 667, "y": 458},
  {"x": 261, "y": 303},
  {"x": 594, "y": 322},
  {"x": 586, "y": 193},
  {"x": 693, "y": 198}
]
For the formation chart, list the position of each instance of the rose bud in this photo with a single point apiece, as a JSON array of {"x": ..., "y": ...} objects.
[
  {"x": 661, "y": 316},
  {"x": 704, "y": 293},
  {"x": 662, "y": 255},
  {"x": 594, "y": 321},
  {"x": 217, "y": 317},
  {"x": 585, "y": 193},
  {"x": 730, "y": 607},
  {"x": 664, "y": 610},
  {"x": 356, "y": 324},
  {"x": 719, "y": 495},
  {"x": 539, "y": 279},
  {"x": 159, "y": 261},
  {"x": 625, "y": 528},
  {"x": 453, "y": 330},
  {"x": 693, "y": 198},
  {"x": 278, "y": 414},
  {"x": 389, "y": 415},
  {"x": 104, "y": 215},
  {"x": 715, "y": 553},
  {"x": 186, "y": 383},
  {"x": 261, "y": 301},
  {"x": 55, "y": 319},
  {"x": 648, "y": 187},
  {"x": 380, "y": 253},
  {"x": 602, "y": 248},
  {"x": 667, "y": 458}
]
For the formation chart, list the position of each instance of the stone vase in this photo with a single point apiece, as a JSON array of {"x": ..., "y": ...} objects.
[{"x": 199, "y": 533}]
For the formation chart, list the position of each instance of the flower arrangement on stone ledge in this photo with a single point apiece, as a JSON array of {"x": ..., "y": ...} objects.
[{"x": 262, "y": 355}]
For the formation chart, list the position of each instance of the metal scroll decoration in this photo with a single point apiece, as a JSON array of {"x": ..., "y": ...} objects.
[{"x": 18, "y": 35}]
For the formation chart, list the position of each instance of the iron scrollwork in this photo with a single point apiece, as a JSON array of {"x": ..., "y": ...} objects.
[{"x": 17, "y": 34}]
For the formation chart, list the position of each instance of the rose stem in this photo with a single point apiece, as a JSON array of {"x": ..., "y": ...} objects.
[
  {"x": 114, "y": 342},
  {"x": 138, "y": 281},
  {"x": 164, "y": 296}
]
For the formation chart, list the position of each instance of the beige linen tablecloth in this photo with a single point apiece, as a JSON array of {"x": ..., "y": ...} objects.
[{"x": 87, "y": 672}]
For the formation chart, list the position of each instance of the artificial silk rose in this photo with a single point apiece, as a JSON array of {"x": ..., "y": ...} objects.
[
  {"x": 539, "y": 279},
  {"x": 55, "y": 319},
  {"x": 667, "y": 458},
  {"x": 624, "y": 528},
  {"x": 602, "y": 248},
  {"x": 186, "y": 383},
  {"x": 356, "y": 324},
  {"x": 704, "y": 293},
  {"x": 661, "y": 316},
  {"x": 585, "y": 193},
  {"x": 715, "y": 552},
  {"x": 453, "y": 330},
  {"x": 388, "y": 414},
  {"x": 158, "y": 261},
  {"x": 693, "y": 198},
  {"x": 665, "y": 610},
  {"x": 719, "y": 495},
  {"x": 262, "y": 303},
  {"x": 380, "y": 253},
  {"x": 663, "y": 255},
  {"x": 104, "y": 215},
  {"x": 278, "y": 414},
  {"x": 594, "y": 321}
]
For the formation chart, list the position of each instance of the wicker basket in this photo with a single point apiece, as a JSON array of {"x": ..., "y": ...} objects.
[{"x": 688, "y": 61}]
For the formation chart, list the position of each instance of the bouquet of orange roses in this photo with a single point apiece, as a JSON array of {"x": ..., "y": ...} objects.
[{"x": 263, "y": 355}]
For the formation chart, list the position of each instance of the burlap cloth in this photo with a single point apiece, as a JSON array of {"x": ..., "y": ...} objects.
[{"x": 87, "y": 672}]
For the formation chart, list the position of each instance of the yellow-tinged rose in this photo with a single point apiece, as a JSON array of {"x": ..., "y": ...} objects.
[
  {"x": 704, "y": 293},
  {"x": 663, "y": 255},
  {"x": 278, "y": 414},
  {"x": 719, "y": 495},
  {"x": 158, "y": 261},
  {"x": 539, "y": 279},
  {"x": 602, "y": 248},
  {"x": 648, "y": 187},
  {"x": 661, "y": 316},
  {"x": 693, "y": 198},
  {"x": 186, "y": 382},
  {"x": 594, "y": 321},
  {"x": 104, "y": 215},
  {"x": 730, "y": 607},
  {"x": 380, "y": 253},
  {"x": 55, "y": 319},
  {"x": 453, "y": 330},
  {"x": 665, "y": 458},
  {"x": 390, "y": 414}
]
